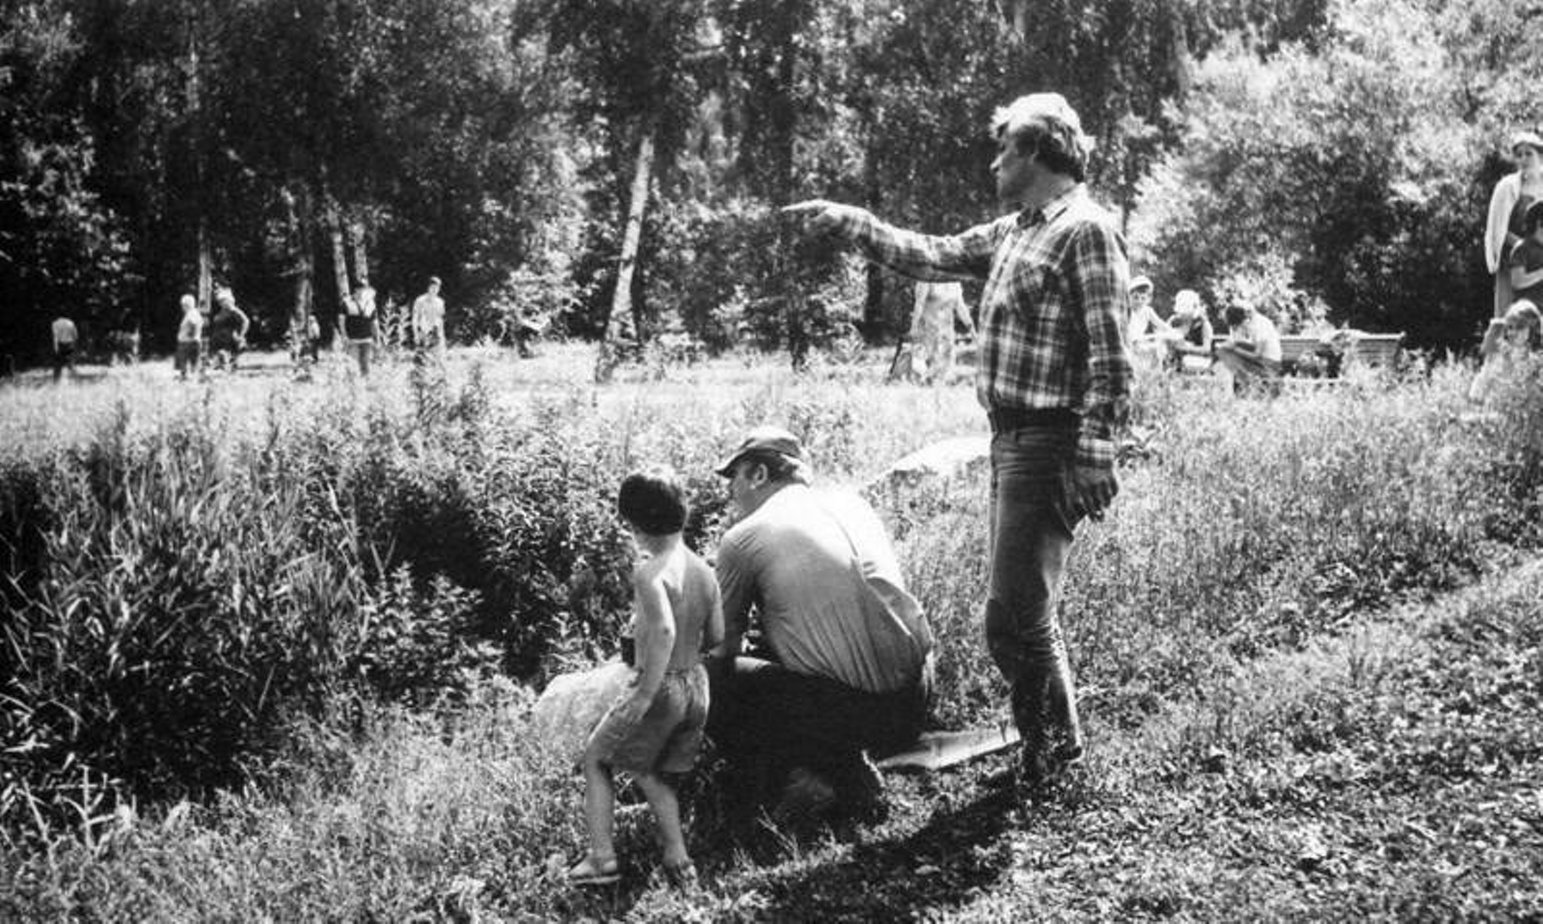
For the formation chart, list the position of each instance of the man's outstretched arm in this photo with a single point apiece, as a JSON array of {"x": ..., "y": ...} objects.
[{"x": 931, "y": 258}]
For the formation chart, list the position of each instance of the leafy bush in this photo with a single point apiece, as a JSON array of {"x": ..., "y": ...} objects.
[
  {"x": 1350, "y": 164},
  {"x": 170, "y": 626}
]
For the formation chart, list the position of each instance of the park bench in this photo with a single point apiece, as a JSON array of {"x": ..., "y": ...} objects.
[
  {"x": 1379, "y": 351},
  {"x": 1293, "y": 347},
  {"x": 1376, "y": 351}
]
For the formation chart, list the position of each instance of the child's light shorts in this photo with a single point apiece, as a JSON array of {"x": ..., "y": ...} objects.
[{"x": 668, "y": 738}]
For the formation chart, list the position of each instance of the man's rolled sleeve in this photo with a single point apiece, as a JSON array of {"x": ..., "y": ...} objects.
[
  {"x": 1102, "y": 283},
  {"x": 929, "y": 258},
  {"x": 1094, "y": 451}
]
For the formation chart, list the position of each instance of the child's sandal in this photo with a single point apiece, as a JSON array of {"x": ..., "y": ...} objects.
[{"x": 589, "y": 872}]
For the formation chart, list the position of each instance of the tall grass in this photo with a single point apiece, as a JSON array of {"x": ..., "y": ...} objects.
[{"x": 191, "y": 584}]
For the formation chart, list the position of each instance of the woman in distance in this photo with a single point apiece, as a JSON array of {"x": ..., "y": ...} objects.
[{"x": 1507, "y": 206}]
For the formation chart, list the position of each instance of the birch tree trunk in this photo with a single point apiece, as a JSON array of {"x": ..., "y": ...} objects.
[
  {"x": 356, "y": 239},
  {"x": 205, "y": 267},
  {"x": 195, "y": 112},
  {"x": 339, "y": 252},
  {"x": 620, "y": 326},
  {"x": 304, "y": 270}
]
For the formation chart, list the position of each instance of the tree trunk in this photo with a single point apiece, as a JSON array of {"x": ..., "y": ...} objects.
[
  {"x": 1183, "y": 66},
  {"x": 195, "y": 113},
  {"x": 619, "y": 327},
  {"x": 339, "y": 253},
  {"x": 205, "y": 267},
  {"x": 304, "y": 270},
  {"x": 356, "y": 238},
  {"x": 873, "y": 304},
  {"x": 873, "y": 301},
  {"x": 1016, "y": 12}
]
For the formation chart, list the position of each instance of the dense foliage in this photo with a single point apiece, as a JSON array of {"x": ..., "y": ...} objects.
[
  {"x": 1338, "y": 150},
  {"x": 1357, "y": 172}
]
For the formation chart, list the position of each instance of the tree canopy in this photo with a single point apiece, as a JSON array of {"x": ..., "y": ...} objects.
[{"x": 1287, "y": 150}]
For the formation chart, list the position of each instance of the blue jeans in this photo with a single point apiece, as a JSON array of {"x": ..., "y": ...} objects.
[{"x": 1030, "y": 538}]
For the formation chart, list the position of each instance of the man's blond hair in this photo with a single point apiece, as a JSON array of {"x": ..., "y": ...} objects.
[{"x": 1046, "y": 125}]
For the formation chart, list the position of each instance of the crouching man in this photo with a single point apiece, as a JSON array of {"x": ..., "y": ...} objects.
[{"x": 840, "y": 668}]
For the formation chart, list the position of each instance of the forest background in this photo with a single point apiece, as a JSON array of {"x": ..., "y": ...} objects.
[{"x": 599, "y": 164}]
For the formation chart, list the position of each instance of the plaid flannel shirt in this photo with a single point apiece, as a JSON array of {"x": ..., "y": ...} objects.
[{"x": 1053, "y": 314}]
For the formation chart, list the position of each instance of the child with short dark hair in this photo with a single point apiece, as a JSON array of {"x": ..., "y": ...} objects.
[{"x": 655, "y": 728}]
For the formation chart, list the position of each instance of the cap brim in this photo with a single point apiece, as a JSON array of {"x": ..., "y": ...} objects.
[{"x": 726, "y": 468}]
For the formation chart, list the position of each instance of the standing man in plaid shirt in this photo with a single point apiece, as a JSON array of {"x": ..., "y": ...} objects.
[{"x": 1054, "y": 375}]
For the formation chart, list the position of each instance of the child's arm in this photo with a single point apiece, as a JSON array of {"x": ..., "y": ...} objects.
[
  {"x": 1492, "y": 337},
  {"x": 1521, "y": 279},
  {"x": 654, "y": 638}
]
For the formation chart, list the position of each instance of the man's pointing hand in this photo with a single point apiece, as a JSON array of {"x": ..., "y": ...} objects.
[{"x": 821, "y": 216}]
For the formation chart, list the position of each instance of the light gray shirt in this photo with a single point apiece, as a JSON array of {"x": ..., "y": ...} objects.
[{"x": 809, "y": 561}]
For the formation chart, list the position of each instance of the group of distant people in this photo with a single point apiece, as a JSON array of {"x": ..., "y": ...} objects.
[
  {"x": 225, "y": 331},
  {"x": 1250, "y": 353},
  {"x": 1513, "y": 251},
  {"x": 220, "y": 337}
]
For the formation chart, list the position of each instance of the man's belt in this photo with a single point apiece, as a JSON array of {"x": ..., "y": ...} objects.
[{"x": 1013, "y": 418}]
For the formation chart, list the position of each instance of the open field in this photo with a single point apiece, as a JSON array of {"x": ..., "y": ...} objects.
[{"x": 299, "y": 623}]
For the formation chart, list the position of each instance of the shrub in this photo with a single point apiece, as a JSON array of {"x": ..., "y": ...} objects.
[{"x": 169, "y": 627}]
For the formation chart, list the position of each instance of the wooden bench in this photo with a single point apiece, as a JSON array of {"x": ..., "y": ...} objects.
[
  {"x": 1294, "y": 346},
  {"x": 1377, "y": 351}
]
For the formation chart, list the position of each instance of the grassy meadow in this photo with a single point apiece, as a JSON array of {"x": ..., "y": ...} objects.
[{"x": 271, "y": 646}]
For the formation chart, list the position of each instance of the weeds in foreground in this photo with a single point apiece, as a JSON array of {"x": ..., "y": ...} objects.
[{"x": 183, "y": 576}]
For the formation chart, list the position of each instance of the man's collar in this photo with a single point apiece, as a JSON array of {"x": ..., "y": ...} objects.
[{"x": 1052, "y": 209}]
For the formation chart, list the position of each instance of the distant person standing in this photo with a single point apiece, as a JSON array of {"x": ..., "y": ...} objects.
[
  {"x": 1507, "y": 209},
  {"x": 228, "y": 328},
  {"x": 359, "y": 326},
  {"x": 428, "y": 318},
  {"x": 1149, "y": 333},
  {"x": 65, "y": 337},
  {"x": 304, "y": 339},
  {"x": 190, "y": 338}
]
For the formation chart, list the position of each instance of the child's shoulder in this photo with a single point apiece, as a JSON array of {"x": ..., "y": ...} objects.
[{"x": 696, "y": 562}]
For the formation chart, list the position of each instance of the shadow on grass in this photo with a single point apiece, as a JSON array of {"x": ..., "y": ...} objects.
[
  {"x": 958, "y": 853},
  {"x": 945, "y": 863}
]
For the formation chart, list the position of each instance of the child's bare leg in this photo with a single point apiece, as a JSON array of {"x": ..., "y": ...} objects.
[
  {"x": 599, "y": 810},
  {"x": 666, "y": 805}
]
